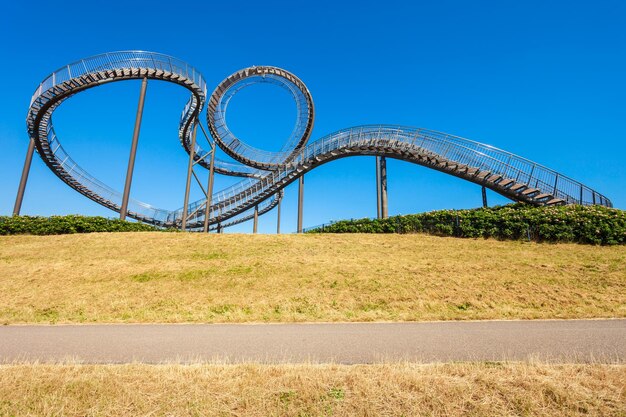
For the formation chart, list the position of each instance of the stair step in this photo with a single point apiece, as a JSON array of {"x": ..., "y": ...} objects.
[
  {"x": 542, "y": 196},
  {"x": 63, "y": 87},
  {"x": 505, "y": 182},
  {"x": 530, "y": 191},
  {"x": 483, "y": 174},
  {"x": 518, "y": 187},
  {"x": 555, "y": 201}
]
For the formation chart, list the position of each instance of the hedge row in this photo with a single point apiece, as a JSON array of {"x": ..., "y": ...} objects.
[
  {"x": 58, "y": 225},
  {"x": 580, "y": 224}
]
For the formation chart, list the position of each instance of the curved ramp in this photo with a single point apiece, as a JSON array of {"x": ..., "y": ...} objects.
[{"x": 268, "y": 173}]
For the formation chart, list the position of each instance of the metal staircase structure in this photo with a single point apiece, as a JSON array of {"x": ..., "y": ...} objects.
[{"x": 267, "y": 173}]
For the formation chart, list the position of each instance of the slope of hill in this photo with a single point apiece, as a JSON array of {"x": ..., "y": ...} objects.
[{"x": 175, "y": 277}]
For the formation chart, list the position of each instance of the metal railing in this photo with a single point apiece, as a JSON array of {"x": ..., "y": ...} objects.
[
  {"x": 407, "y": 143},
  {"x": 118, "y": 61},
  {"x": 251, "y": 153},
  {"x": 77, "y": 76},
  {"x": 382, "y": 137}
]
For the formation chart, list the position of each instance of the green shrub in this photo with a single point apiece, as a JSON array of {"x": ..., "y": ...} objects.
[
  {"x": 58, "y": 225},
  {"x": 580, "y": 224}
]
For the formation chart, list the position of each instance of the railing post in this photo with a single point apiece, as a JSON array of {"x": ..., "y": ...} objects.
[
  {"x": 556, "y": 181},
  {"x": 383, "y": 188},
  {"x": 300, "y": 202},
  {"x": 133, "y": 150},
  {"x": 192, "y": 154},
  {"x": 209, "y": 193},
  {"x": 581, "y": 196},
  {"x": 25, "y": 171},
  {"x": 532, "y": 171}
]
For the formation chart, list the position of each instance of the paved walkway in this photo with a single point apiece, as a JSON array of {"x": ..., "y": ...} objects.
[{"x": 553, "y": 341}]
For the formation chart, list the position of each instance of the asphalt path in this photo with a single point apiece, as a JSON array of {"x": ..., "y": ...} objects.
[{"x": 350, "y": 343}]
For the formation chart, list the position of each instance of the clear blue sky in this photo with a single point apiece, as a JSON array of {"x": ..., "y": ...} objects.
[{"x": 543, "y": 79}]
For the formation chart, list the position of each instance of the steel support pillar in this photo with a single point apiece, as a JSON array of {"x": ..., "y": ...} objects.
[
  {"x": 485, "y": 197},
  {"x": 255, "y": 226},
  {"x": 133, "y": 150},
  {"x": 383, "y": 188},
  {"x": 300, "y": 202},
  {"x": 25, "y": 171},
  {"x": 192, "y": 154},
  {"x": 378, "y": 214},
  {"x": 209, "y": 193},
  {"x": 278, "y": 216}
]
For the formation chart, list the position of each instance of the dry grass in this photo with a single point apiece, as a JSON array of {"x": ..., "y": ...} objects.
[
  {"x": 313, "y": 390},
  {"x": 175, "y": 277}
]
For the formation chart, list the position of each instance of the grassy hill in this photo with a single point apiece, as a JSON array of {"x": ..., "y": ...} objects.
[
  {"x": 180, "y": 277},
  {"x": 176, "y": 277}
]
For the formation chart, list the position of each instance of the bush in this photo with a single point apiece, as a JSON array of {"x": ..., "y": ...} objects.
[
  {"x": 58, "y": 225},
  {"x": 581, "y": 224}
]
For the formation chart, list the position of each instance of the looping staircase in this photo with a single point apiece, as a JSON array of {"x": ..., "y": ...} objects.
[{"x": 509, "y": 175}]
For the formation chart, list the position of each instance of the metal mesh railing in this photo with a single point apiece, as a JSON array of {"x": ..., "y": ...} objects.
[
  {"x": 120, "y": 60},
  {"x": 249, "y": 152},
  {"x": 456, "y": 149},
  {"x": 236, "y": 199},
  {"x": 73, "y": 75}
]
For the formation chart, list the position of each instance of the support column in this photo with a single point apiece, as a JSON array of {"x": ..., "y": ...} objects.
[
  {"x": 209, "y": 193},
  {"x": 25, "y": 171},
  {"x": 300, "y": 202},
  {"x": 378, "y": 214},
  {"x": 255, "y": 225},
  {"x": 383, "y": 187},
  {"x": 192, "y": 154},
  {"x": 485, "y": 197},
  {"x": 278, "y": 216},
  {"x": 133, "y": 150}
]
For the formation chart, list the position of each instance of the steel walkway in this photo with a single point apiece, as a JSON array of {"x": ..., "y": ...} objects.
[{"x": 267, "y": 173}]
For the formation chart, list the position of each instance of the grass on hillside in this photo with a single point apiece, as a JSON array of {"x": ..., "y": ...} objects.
[
  {"x": 462, "y": 389},
  {"x": 162, "y": 277}
]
